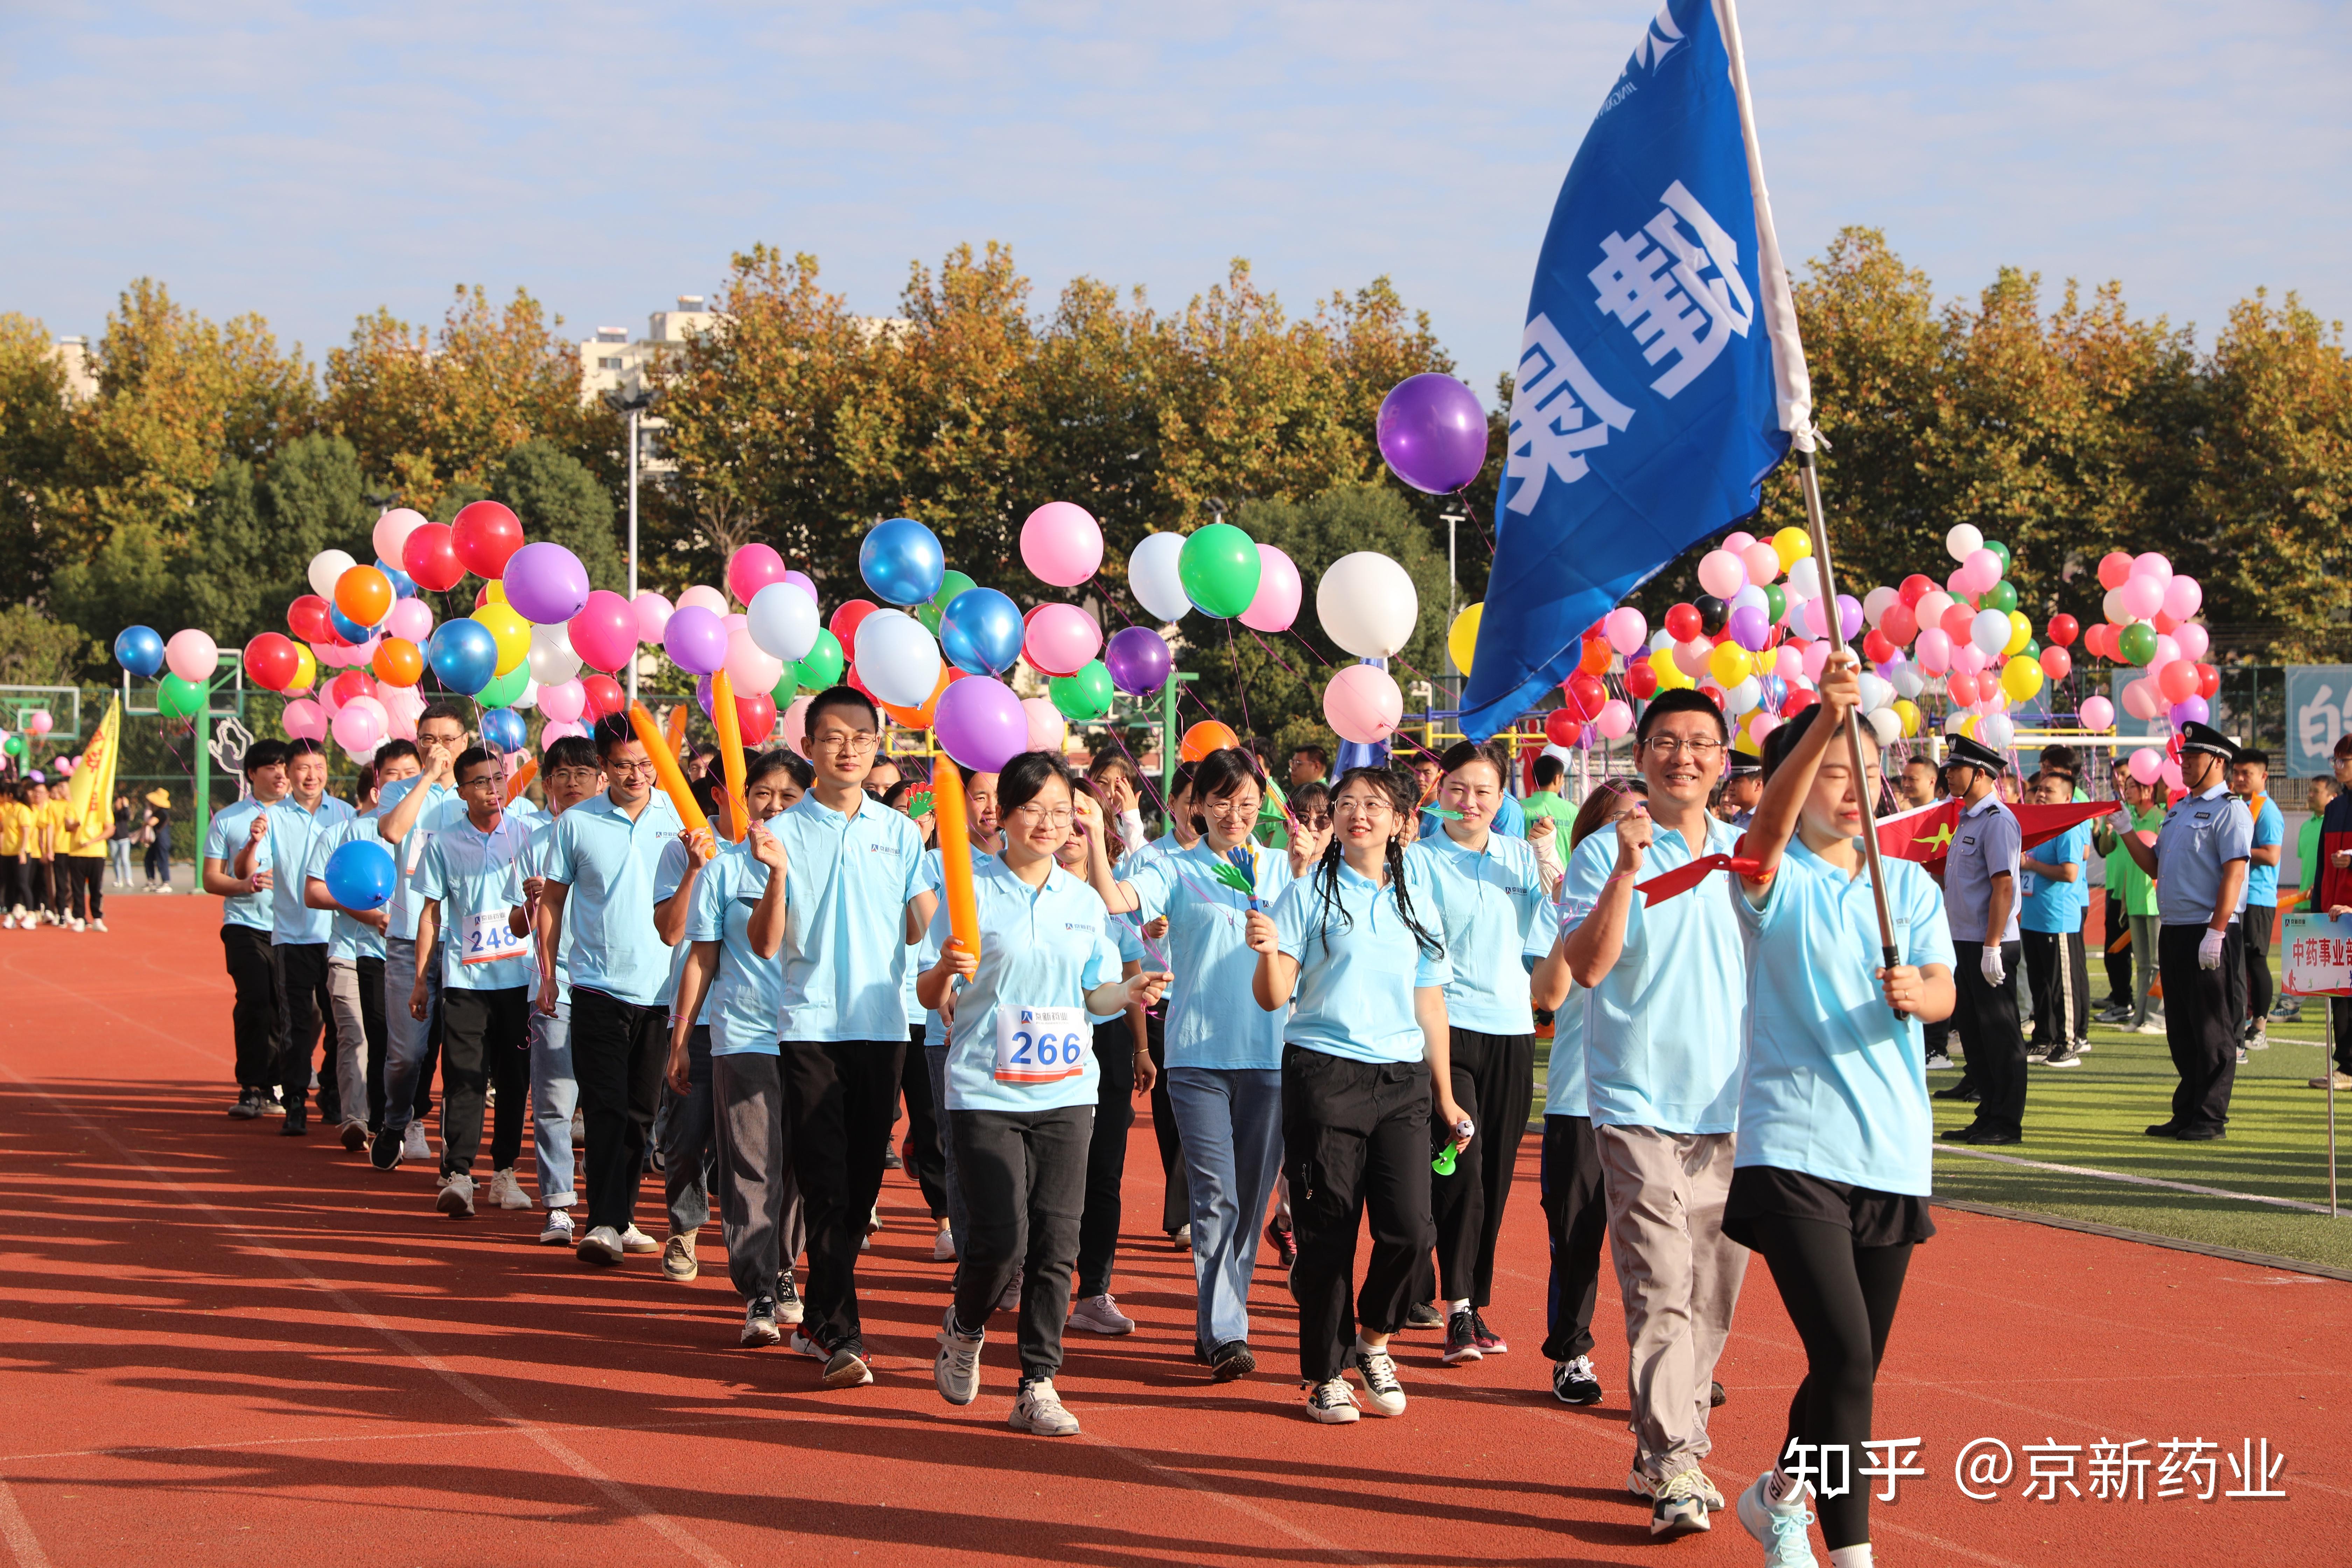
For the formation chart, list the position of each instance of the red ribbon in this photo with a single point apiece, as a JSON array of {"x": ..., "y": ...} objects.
[{"x": 1683, "y": 878}]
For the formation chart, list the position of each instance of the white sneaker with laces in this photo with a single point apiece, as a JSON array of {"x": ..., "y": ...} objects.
[
  {"x": 1778, "y": 1526},
  {"x": 456, "y": 1199},
  {"x": 506, "y": 1192},
  {"x": 943, "y": 1247},
  {"x": 1679, "y": 1507},
  {"x": 1039, "y": 1411},
  {"x": 601, "y": 1246},
  {"x": 1100, "y": 1315},
  {"x": 635, "y": 1240},
  {"x": 412, "y": 1146},
  {"x": 556, "y": 1231},
  {"x": 1333, "y": 1403},
  {"x": 1383, "y": 1395},
  {"x": 955, "y": 1371}
]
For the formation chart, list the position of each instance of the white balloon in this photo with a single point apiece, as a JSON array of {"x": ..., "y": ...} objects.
[
  {"x": 530, "y": 698},
  {"x": 781, "y": 619},
  {"x": 1151, "y": 573},
  {"x": 1750, "y": 597},
  {"x": 1908, "y": 682},
  {"x": 1366, "y": 604},
  {"x": 1965, "y": 540},
  {"x": 392, "y": 531},
  {"x": 1997, "y": 730},
  {"x": 705, "y": 597},
  {"x": 1804, "y": 579},
  {"x": 327, "y": 568},
  {"x": 1875, "y": 693},
  {"x": 896, "y": 659},
  {"x": 1875, "y": 602},
  {"x": 1884, "y": 725},
  {"x": 1989, "y": 631},
  {"x": 550, "y": 658},
  {"x": 1745, "y": 696},
  {"x": 751, "y": 668}
]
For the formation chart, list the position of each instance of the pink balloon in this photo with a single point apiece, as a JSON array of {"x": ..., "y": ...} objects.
[
  {"x": 410, "y": 618},
  {"x": 1615, "y": 720},
  {"x": 1722, "y": 573},
  {"x": 751, "y": 668},
  {"x": 1278, "y": 593},
  {"x": 704, "y": 596},
  {"x": 653, "y": 612},
  {"x": 1061, "y": 544},
  {"x": 565, "y": 702},
  {"x": 804, "y": 582},
  {"x": 2182, "y": 595},
  {"x": 1968, "y": 658},
  {"x": 2141, "y": 597},
  {"x": 40, "y": 722},
  {"x": 2097, "y": 713},
  {"x": 2191, "y": 638},
  {"x": 358, "y": 730},
  {"x": 792, "y": 725},
  {"x": 1763, "y": 562},
  {"x": 604, "y": 633},
  {"x": 2153, "y": 564},
  {"x": 392, "y": 531},
  {"x": 192, "y": 654},
  {"x": 555, "y": 729},
  {"x": 1788, "y": 662},
  {"x": 1984, "y": 569},
  {"x": 1363, "y": 704},
  {"x": 752, "y": 568},
  {"x": 2172, "y": 779},
  {"x": 1817, "y": 657},
  {"x": 1048, "y": 730},
  {"x": 1062, "y": 638},
  {"x": 2139, "y": 701},
  {"x": 1623, "y": 626}
]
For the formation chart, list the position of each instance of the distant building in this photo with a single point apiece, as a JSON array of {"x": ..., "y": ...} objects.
[
  {"x": 72, "y": 355},
  {"x": 610, "y": 362}
]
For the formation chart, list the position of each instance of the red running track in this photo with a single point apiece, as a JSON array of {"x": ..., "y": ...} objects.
[{"x": 225, "y": 1346}]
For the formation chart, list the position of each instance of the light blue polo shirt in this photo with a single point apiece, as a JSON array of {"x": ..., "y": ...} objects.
[
  {"x": 1564, "y": 1090},
  {"x": 847, "y": 877},
  {"x": 1046, "y": 948},
  {"x": 1510, "y": 820},
  {"x": 922, "y": 955},
  {"x": 1213, "y": 1019},
  {"x": 472, "y": 874},
  {"x": 2200, "y": 836},
  {"x": 1661, "y": 1030},
  {"x": 353, "y": 940},
  {"x": 609, "y": 863},
  {"x": 668, "y": 877},
  {"x": 2261, "y": 881},
  {"x": 532, "y": 862},
  {"x": 1130, "y": 951},
  {"x": 1359, "y": 964},
  {"x": 1835, "y": 1085},
  {"x": 2053, "y": 906},
  {"x": 441, "y": 808},
  {"x": 293, "y": 832},
  {"x": 745, "y": 1000},
  {"x": 1494, "y": 903},
  {"x": 222, "y": 842}
]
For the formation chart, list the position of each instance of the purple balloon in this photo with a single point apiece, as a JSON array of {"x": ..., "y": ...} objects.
[
  {"x": 695, "y": 640},
  {"x": 807, "y": 585},
  {"x": 1139, "y": 660},
  {"x": 2190, "y": 711},
  {"x": 1433, "y": 432},
  {"x": 1850, "y": 616},
  {"x": 1749, "y": 627},
  {"x": 702, "y": 695},
  {"x": 980, "y": 723},
  {"x": 546, "y": 583}
]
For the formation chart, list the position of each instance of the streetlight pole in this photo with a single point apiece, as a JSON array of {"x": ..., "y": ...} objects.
[
  {"x": 1453, "y": 601},
  {"x": 632, "y": 404}
]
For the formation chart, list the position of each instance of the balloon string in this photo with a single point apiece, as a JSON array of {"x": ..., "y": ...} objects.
[
  {"x": 1311, "y": 648},
  {"x": 1274, "y": 656},
  {"x": 1241, "y": 686},
  {"x": 1097, "y": 583}
]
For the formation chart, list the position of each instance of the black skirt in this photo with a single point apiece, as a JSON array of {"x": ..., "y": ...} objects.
[{"x": 1876, "y": 1218}]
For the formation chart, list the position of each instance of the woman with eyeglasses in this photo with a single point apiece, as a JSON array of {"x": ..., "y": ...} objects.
[
  {"x": 1351, "y": 964},
  {"x": 1224, "y": 1055},
  {"x": 1310, "y": 825},
  {"x": 1023, "y": 1082}
]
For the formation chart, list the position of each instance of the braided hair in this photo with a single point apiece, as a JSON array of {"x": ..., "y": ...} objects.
[{"x": 1403, "y": 795}]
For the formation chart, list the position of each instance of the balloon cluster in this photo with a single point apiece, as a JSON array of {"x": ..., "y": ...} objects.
[{"x": 2147, "y": 609}]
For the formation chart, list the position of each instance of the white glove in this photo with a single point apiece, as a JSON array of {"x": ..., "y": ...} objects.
[
  {"x": 2209, "y": 951},
  {"x": 1990, "y": 965}
]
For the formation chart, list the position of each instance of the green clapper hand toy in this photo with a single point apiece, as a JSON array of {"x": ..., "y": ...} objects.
[{"x": 1444, "y": 1163}]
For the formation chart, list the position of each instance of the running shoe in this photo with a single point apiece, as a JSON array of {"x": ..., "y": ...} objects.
[
  {"x": 98, "y": 925},
  {"x": 1715, "y": 1400},
  {"x": 271, "y": 1105},
  {"x": 416, "y": 1147},
  {"x": 1284, "y": 1241},
  {"x": 2153, "y": 1026},
  {"x": 1181, "y": 1238},
  {"x": 1232, "y": 1360},
  {"x": 874, "y": 1219},
  {"x": 1939, "y": 1062},
  {"x": 2062, "y": 1056},
  {"x": 1333, "y": 1403},
  {"x": 1422, "y": 1315},
  {"x": 1100, "y": 1315},
  {"x": 678, "y": 1262},
  {"x": 388, "y": 1150},
  {"x": 955, "y": 1371},
  {"x": 846, "y": 1368},
  {"x": 556, "y": 1231},
  {"x": 788, "y": 1300},
  {"x": 1039, "y": 1411},
  {"x": 1778, "y": 1526},
  {"x": 1679, "y": 1508},
  {"x": 1573, "y": 1382},
  {"x": 635, "y": 1240},
  {"x": 801, "y": 1344},
  {"x": 891, "y": 1161},
  {"x": 247, "y": 1106},
  {"x": 2332, "y": 1081},
  {"x": 943, "y": 1247},
  {"x": 298, "y": 1125},
  {"x": 507, "y": 1192},
  {"x": 601, "y": 1246},
  {"x": 1490, "y": 1342},
  {"x": 1462, "y": 1338},
  {"x": 355, "y": 1137},
  {"x": 1383, "y": 1395},
  {"x": 760, "y": 1323},
  {"x": 456, "y": 1199}
]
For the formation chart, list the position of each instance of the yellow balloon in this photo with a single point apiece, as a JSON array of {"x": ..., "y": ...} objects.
[
  {"x": 2020, "y": 678},
  {"x": 1791, "y": 545},
  {"x": 1670, "y": 674},
  {"x": 508, "y": 630},
  {"x": 1908, "y": 711},
  {"x": 2021, "y": 632},
  {"x": 496, "y": 590},
  {"x": 306, "y": 672},
  {"x": 1461, "y": 642},
  {"x": 1969, "y": 726},
  {"x": 1730, "y": 663}
]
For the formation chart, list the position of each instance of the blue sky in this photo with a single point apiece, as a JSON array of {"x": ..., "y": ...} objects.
[{"x": 314, "y": 160}]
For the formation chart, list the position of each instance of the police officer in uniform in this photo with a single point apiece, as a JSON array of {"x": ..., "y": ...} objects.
[
  {"x": 1743, "y": 786},
  {"x": 1980, "y": 899},
  {"x": 2200, "y": 860}
]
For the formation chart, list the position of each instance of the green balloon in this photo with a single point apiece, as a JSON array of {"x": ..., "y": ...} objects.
[
  {"x": 821, "y": 666},
  {"x": 13, "y": 746},
  {"x": 504, "y": 688},
  {"x": 2032, "y": 649},
  {"x": 2001, "y": 597},
  {"x": 1218, "y": 569},
  {"x": 1998, "y": 548},
  {"x": 180, "y": 698},
  {"x": 1086, "y": 695},
  {"x": 929, "y": 612},
  {"x": 2136, "y": 643},
  {"x": 788, "y": 686},
  {"x": 1776, "y": 602}
]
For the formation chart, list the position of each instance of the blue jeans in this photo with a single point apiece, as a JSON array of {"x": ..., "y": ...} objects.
[
  {"x": 408, "y": 1041},
  {"x": 958, "y": 1216},
  {"x": 1231, "y": 1119},
  {"x": 554, "y": 1095}
]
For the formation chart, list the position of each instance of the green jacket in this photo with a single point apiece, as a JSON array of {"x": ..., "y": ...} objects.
[{"x": 2125, "y": 878}]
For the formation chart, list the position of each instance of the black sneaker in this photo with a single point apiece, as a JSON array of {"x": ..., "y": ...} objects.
[
  {"x": 891, "y": 1161},
  {"x": 1679, "y": 1509},
  {"x": 247, "y": 1106},
  {"x": 1714, "y": 1398},
  {"x": 760, "y": 1323},
  {"x": 847, "y": 1367},
  {"x": 1232, "y": 1360},
  {"x": 1422, "y": 1315},
  {"x": 1573, "y": 1382},
  {"x": 297, "y": 1125},
  {"x": 386, "y": 1152},
  {"x": 1462, "y": 1338},
  {"x": 2062, "y": 1057},
  {"x": 1284, "y": 1242}
]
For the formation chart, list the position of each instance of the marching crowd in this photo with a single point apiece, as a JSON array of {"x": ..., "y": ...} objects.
[{"x": 1335, "y": 1021}]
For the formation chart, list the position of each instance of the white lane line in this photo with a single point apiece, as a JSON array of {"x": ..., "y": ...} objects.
[
  {"x": 2295, "y": 1204},
  {"x": 1267, "y": 1517},
  {"x": 21, "y": 1542}
]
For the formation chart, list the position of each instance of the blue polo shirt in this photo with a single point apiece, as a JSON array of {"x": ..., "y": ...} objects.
[
  {"x": 353, "y": 938},
  {"x": 532, "y": 862},
  {"x": 1494, "y": 903},
  {"x": 2053, "y": 906},
  {"x": 1213, "y": 1019},
  {"x": 441, "y": 808},
  {"x": 744, "y": 1003},
  {"x": 847, "y": 877},
  {"x": 222, "y": 842},
  {"x": 1661, "y": 1030},
  {"x": 1359, "y": 964},
  {"x": 2200, "y": 836},
  {"x": 2270, "y": 830},
  {"x": 293, "y": 832},
  {"x": 1835, "y": 1085},
  {"x": 609, "y": 862},
  {"x": 1045, "y": 947},
  {"x": 473, "y": 876}
]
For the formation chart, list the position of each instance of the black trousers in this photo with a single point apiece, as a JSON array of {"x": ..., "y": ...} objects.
[
  {"x": 840, "y": 1098},
  {"x": 1024, "y": 1181},
  {"x": 1841, "y": 1297},
  {"x": 1575, "y": 1214},
  {"x": 921, "y": 1153},
  {"x": 2118, "y": 950},
  {"x": 2340, "y": 1012},
  {"x": 1176, "y": 1186},
  {"x": 1493, "y": 1079},
  {"x": 59, "y": 879},
  {"x": 484, "y": 1034},
  {"x": 1107, "y": 1155},
  {"x": 371, "y": 973},
  {"x": 2254, "y": 928},
  {"x": 85, "y": 885},
  {"x": 2059, "y": 972},
  {"x": 1990, "y": 1033},
  {"x": 254, "y": 1015},
  {"x": 1355, "y": 1144},
  {"x": 2204, "y": 1013},
  {"x": 308, "y": 1018},
  {"x": 619, "y": 1051}
]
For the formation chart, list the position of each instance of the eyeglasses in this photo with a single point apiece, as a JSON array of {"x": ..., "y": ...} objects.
[
  {"x": 486, "y": 781},
  {"x": 631, "y": 770},
  {"x": 1315, "y": 819},
  {"x": 1059, "y": 816},
  {"x": 1229, "y": 810},
  {"x": 1674, "y": 745},
  {"x": 849, "y": 742}
]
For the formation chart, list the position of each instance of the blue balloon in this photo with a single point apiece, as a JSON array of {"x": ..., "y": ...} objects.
[
  {"x": 360, "y": 875},
  {"x": 464, "y": 655},
  {"x": 901, "y": 561},
  {"x": 138, "y": 650},
  {"x": 403, "y": 586},
  {"x": 981, "y": 632},
  {"x": 349, "y": 630},
  {"x": 503, "y": 728}
]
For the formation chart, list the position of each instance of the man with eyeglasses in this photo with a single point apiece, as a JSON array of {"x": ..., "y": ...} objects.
[
  {"x": 570, "y": 775},
  {"x": 1665, "y": 1021},
  {"x": 409, "y": 813},
  {"x": 1981, "y": 904},
  {"x": 852, "y": 870}
]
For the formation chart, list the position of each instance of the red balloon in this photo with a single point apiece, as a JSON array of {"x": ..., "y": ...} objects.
[
  {"x": 844, "y": 624},
  {"x": 2057, "y": 663},
  {"x": 349, "y": 684},
  {"x": 1683, "y": 622},
  {"x": 484, "y": 533},
  {"x": 1875, "y": 647},
  {"x": 272, "y": 659},
  {"x": 1900, "y": 624},
  {"x": 1640, "y": 680},
  {"x": 1586, "y": 696},
  {"x": 1797, "y": 703},
  {"x": 431, "y": 558},
  {"x": 2063, "y": 629},
  {"x": 307, "y": 619},
  {"x": 1562, "y": 727},
  {"x": 605, "y": 697},
  {"x": 2094, "y": 640},
  {"x": 2208, "y": 681},
  {"x": 1914, "y": 588},
  {"x": 1958, "y": 623},
  {"x": 756, "y": 715},
  {"x": 2165, "y": 624}
]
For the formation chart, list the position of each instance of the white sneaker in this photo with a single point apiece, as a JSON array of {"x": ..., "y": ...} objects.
[
  {"x": 506, "y": 1192},
  {"x": 77, "y": 923},
  {"x": 601, "y": 1246},
  {"x": 1182, "y": 1239},
  {"x": 98, "y": 925},
  {"x": 557, "y": 1232},
  {"x": 8, "y": 923},
  {"x": 413, "y": 1146},
  {"x": 1010, "y": 1301},
  {"x": 635, "y": 1240},
  {"x": 1939, "y": 1062},
  {"x": 1039, "y": 1410},
  {"x": 1383, "y": 1395},
  {"x": 789, "y": 1310},
  {"x": 1333, "y": 1403},
  {"x": 1100, "y": 1315},
  {"x": 943, "y": 1248},
  {"x": 456, "y": 1199},
  {"x": 955, "y": 1371},
  {"x": 1781, "y": 1526}
]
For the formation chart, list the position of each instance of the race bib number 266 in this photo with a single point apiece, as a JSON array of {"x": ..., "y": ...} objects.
[{"x": 1040, "y": 1045}]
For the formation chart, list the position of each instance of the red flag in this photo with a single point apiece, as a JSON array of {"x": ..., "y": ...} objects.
[{"x": 1925, "y": 833}]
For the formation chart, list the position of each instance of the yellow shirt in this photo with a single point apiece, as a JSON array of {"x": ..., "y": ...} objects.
[
  {"x": 15, "y": 816},
  {"x": 88, "y": 841},
  {"x": 54, "y": 815}
]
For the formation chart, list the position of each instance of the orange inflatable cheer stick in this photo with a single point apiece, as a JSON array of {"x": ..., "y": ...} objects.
[
  {"x": 677, "y": 721},
  {"x": 667, "y": 771},
  {"x": 730, "y": 725},
  {"x": 522, "y": 780},
  {"x": 955, "y": 852}
]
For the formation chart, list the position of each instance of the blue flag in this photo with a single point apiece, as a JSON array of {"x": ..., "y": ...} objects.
[{"x": 1650, "y": 401}]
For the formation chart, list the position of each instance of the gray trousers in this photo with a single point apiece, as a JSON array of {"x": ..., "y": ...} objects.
[
  {"x": 687, "y": 1134},
  {"x": 350, "y": 1037},
  {"x": 407, "y": 1041},
  {"x": 759, "y": 1198},
  {"x": 2144, "y": 969},
  {"x": 554, "y": 1096}
]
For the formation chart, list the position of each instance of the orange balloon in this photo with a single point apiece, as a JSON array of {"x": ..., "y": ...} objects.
[
  {"x": 920, "y": 718},
  {"x": 1205, "y": 737},
  {"x": 398, "y": 662},
  {"x": 1596, "y": 656},
  {"x": 364, "y": 594}
]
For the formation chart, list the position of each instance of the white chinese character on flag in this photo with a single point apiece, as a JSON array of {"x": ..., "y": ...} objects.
[
  {"x": 1679, "y": 291},
  {"x": 1558, "y": 412}
]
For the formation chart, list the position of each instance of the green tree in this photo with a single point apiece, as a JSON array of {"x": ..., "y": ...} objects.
[
  {"x": 35, "y": 650},
  {"x": 35, "y": 450},
  {"x": 557, "y": 498}
]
